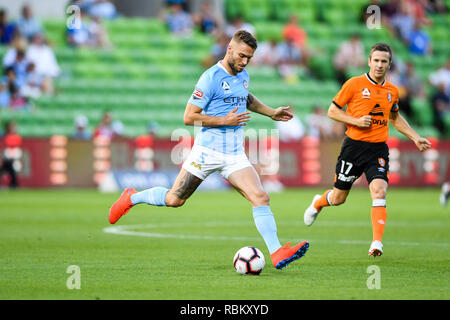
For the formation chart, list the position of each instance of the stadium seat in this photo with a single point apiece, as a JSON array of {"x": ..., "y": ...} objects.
[{"x": 423, "y": 112}]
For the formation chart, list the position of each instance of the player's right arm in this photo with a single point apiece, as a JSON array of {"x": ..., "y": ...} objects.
[
  {"x": 193, "y": 116},
  {"x": 342, "y": 98},
  {"x": 340, "y": 115},
  {"x": 202, "y": 96}
]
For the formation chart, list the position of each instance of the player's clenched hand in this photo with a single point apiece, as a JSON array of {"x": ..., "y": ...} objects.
[
  {"x": 364, "y": 122},
  {"x": 422, "y": 144},
  {"x": 283, "y": 114},
  {"x": 236, "y": 119}
]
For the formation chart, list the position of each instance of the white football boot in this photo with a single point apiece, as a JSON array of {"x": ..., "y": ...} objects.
[
  {"x": 311, "y": 213},
  {"x": 376, "y": 248}
]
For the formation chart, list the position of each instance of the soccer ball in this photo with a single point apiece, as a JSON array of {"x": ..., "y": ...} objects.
[{"x": 249, "y": 260}]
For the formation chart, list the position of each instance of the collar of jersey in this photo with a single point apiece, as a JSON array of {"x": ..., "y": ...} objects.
[
  {"x": 373, "y": 81},
  {"x": 223, "y": 68}
]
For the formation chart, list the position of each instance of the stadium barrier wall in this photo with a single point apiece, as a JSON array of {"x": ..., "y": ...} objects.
[{"x": 61, "y": 162}]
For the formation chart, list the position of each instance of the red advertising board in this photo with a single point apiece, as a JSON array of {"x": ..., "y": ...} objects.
[{"x": 58, "y": 162}]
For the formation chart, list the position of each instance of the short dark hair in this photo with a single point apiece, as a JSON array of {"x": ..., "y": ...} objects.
[
  {"x": 246, "y": 37},
  {"x": 381, "y": 46}
]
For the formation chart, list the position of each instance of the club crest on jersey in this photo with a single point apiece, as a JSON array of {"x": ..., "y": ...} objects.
[
  {"x": 389, "y": 97},
  {"x": 381, "y": 162},
  {"x": 366, "y": 93},
  {"x": 197, "y": 94},
  {"x": 245, "y": 84}
]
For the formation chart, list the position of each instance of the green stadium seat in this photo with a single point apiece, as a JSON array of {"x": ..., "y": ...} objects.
[
  {"x": 422, "y": 111},
  {"x": 256, "y": 10}
]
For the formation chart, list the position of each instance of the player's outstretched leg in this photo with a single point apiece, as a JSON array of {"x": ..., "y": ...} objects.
[
  {"x": 287, "y": 254},
  {"x": 246, "y": 181},
  {"x": 185, "y": 184},
  {"x": 121, "y": 206}
]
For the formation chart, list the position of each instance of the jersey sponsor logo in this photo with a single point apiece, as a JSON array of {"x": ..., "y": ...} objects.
[
  {"x": 366, "y": 93},
  {"x": 376, "y": 111},
  {"x": 197, "y": 94},
  {"x": 381, "y": 162},
  {"x": 196, "y": 165},
  {"x": 234, "y": 100},
  {"x": 380, "y": 122}
]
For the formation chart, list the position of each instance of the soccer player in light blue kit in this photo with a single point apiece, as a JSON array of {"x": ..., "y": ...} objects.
[{"x": 219, "y": 104}]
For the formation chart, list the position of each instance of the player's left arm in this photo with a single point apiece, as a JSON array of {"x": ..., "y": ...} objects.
[
  {"x": 278, "y": 114},
  {"x": 401, "y": 125}
]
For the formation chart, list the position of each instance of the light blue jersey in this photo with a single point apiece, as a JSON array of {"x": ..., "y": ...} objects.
[{"x": 217, "y": 92}]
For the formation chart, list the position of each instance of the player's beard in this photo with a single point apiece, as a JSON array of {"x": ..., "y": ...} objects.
[{"x": 232, "y": 64}]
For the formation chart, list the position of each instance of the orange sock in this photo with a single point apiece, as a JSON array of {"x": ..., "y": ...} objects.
[
  {"x": 379, "y": 216},
  {"x": 322, "y": 201}
]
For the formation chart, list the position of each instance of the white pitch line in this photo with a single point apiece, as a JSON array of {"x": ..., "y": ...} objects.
[{"x": 129, "y": 230}]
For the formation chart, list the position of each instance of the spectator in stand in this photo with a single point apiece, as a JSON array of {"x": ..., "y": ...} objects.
[
  {"x": 78, "y": 36},
  {"x": 98, "y": 35},
  {"x": 108, "y": 128},
  {"x": 20, "y": 67},
  {"x": 148, "y": 140},
  {"x": 410, "y": 86},
  {"x": 179, "y": 21},
  {"x": 403, "y": 22},
  {"x": 292, "y": 130},
  {"x": 238, "y": 23},
  {"x": 441, "y": 108},
  {"x": 322, "y": 127},
  {"x": 418, "y": 10},
  {"x": 17, "y": 101},
  {"x": 182, "y": 3},
  {"x": 4, "y": 95},
  {"x": 10, "y": 155},
  {"x": 436, "y": 6},
  {"x": 350, "y": 54},
  {"x": 419, "y": 41},
  {"x": 292, "y": 31},
  {"x": 13, "y": 97},
  {"x": 290, "y": 57},
  {"x": 207, "y": 20},
  {"x": 442, "y": 75},
  {"x": 27, "y": 24},
  {"x": 7, "y": 29},
  {"x": 102, "y": 9},
  {"x": 18, "y": 43},
  {"x": 267, "y": 54},
  {"x": 218, "y": 50},
  {"x": 33, "y": 84},
  {"x": 44, "y": 59},
  {"x": 81, "y": 131}
]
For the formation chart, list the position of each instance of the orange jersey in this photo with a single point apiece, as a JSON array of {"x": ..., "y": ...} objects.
[{"x": 363, "y": 96}]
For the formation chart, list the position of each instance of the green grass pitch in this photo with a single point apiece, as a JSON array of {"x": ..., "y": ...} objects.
[{"x": 186, "y": 253}]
